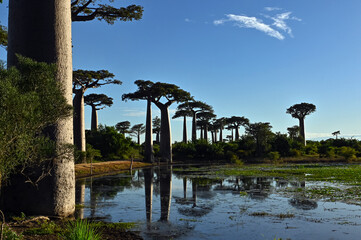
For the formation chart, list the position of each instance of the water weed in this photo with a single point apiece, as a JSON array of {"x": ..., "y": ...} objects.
[{"x": 80, "y": 230}]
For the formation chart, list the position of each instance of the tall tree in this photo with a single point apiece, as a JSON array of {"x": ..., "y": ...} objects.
[
  {"x": 41, "y": 30},
  {"x": 138, "y": 130},
  {"x": 82, "y": 81},
  {"x": 87, "y": 10},
  {"x": 235, "y": 123},
  {"x": 171, "y": 93},
  {"x": 204, "y": 119},
  {"x": 300, "y": 111},
  {"x": 261, "y": 132},
  {"x": 156, "y": 128},
  {"x": 194, "y": 107},
  {"x": 97, "y": 102},
  {"x": 144, "y": 93},
  {"x": 219, "y": 124},
  {"x": 123, "y": 127},
  {"x": 336, "y": 133},
  {"x": 183, "y": 113}
]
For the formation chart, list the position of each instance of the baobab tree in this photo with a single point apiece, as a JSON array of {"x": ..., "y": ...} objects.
[
  {"x": 300, "y": 111},
  {"x": 183, "y": 113},
  {"x": 171, "y": 93},
  {"x": 41, "y": 30},
  {"x": 82, "y": 81},
  {"x": 156, "y": 128},
  {"x": 123, "y": 127},
  {"x": 336, "y": 133},
  {"x": 204, "y": 119},
  {"x": 138, "y": 130},
  {"x": 219, "y": 124},
  {"x": 194, "y": 107},
  {"x": 144, "y": 93},
  {"x": 235, "y": 122},
  {"x": 97, "y": 102}
]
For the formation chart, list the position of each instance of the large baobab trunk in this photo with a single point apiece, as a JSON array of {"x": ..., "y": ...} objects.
[
  {"x": 206, "y": 132},
  {"x": 149, "y": 157},
  {"x": 94, "y": 122},
  {"x": 185, "y": 129},
  {"x": 165, "y": 134},
  {"x": 237, "y": 133},
  {"x": 194, "y": 126},
  {"x": 302, "y": 130},
  {"x": 221, "y": 134},
  {"x": 41, "y": 30},
  {"x": 78, "y": 121}
]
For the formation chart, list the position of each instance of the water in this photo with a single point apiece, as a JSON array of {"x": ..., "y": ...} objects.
[{"x": 186, "y": 205}]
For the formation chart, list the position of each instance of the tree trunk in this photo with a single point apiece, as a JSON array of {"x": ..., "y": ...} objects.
[
  {"x": 206, "y": 132},
  {"x": 165, "y": 192},
  {"x": 302, "y": 130},
  {"x": 149, "y": 157},
  {"x": 221, "y": 134},
  {"x": 78, "y": 120},
  {"x": 194, "y": 126},
  {"x": 165, "y": 134},
  {"x": 185, "y": 129},
  {"x": 237, "y": 133},
  {"x": 41, "y": 30},
  {"x": 157, "y": 137},
  {"x": 201, "y": 133},
  {"x": 148, "y": 188},
  {"x": 94, "y": 122}
]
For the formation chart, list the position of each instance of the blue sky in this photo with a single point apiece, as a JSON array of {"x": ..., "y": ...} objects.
[{"x": 244, "y": 57}]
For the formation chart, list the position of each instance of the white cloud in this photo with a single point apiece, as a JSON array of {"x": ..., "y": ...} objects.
[
  {"x": 272, "y": 29},
  {"x": 270, "y": 9},
  {"x": 187, "y": 20},
  {"x": 250, "y": 22},
  {"x": 133, "y": 113}
]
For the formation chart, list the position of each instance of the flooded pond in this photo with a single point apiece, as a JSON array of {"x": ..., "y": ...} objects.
[{"x": 177, "y": 203}]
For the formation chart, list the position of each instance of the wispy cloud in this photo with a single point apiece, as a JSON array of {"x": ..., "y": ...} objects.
[
  {"x": 272, "y": 29},
  {"x": 270, "y": 9},
  {"x": 250, "y": 22},
  {"x": 133, "y": 113},
  {"x": 187, "y": 20}
]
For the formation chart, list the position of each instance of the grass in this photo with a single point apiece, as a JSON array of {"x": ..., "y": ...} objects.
[{"x": 80, "y": 230}]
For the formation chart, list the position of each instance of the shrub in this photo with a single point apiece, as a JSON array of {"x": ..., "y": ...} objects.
[
  {"x": 347, "y": 152},
  {"x": 274, "y": 156}
]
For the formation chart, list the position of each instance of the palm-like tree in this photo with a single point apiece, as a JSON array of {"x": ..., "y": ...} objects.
[
  {"x": 97, "y": 102},
  {"x": 300, "y": 111},
  {"x": 336, "y": 133}
]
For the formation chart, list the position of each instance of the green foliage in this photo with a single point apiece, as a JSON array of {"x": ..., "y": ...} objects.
[
  {"x": 30, "y": 101},
  {"x": 347, "y": 152},
  {"x": 3, "y": 36},
  {"x": 9, "y": 234},
  {"x": 81, "y": 230},
  {"x": 274, "y": 156},
  {"x": 112, "y": 144},
  {"x": 45, "y": 228}
]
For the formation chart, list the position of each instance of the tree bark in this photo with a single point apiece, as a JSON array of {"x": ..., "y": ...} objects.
[
  {"x": 149, "y": 157},
  {"x": 78, "y": 120},
  {"x": 194, "y": 126},
  {"x": 206, "y": 132},
  {"x": 185, "y": 129},
  {"x": 302, "y": 130},
  {"x": 94, "y": 122},
  {"x": 41, "y": 30},
  {"x": 165, "y": 134},
  {"x": 221, "y": 134},
  {"x": 237, "y": 133}
]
